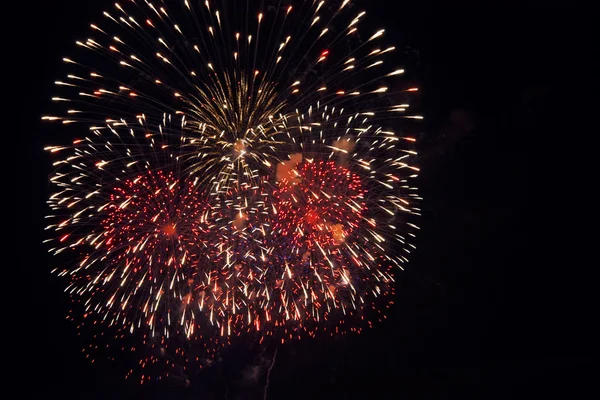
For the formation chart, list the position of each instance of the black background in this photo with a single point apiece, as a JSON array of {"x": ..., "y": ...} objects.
[{"x": 469, "y": 310}]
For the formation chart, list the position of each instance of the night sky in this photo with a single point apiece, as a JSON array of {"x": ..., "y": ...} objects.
[{"x": 459, "y": 328}]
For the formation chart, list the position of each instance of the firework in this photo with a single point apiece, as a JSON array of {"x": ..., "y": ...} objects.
[
  {"x": 142, "y": 237},
  {"x": 136, "y": 227},
  {"x": 338, "y": 216},
  {"x": 319, "y": 204},
  {"x": 234, "y": 78},
  {"x": 243, "y": 172}
]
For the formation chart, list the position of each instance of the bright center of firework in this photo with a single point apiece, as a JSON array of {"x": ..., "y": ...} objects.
[
  {"x": 312, "y": 217},
  {"x": 239, "y": 147},
  {"x": 233, "y": 113},
  {"x": 170, "y": 230}
]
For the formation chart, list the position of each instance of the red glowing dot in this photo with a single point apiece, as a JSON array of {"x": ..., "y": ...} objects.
[{"x": 312, "y": 217}]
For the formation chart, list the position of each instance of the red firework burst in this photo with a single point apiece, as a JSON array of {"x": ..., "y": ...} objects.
[
  {"x": 318, "y": 204},
  {"x": 154, "y": 215},
  {"x": 142, "y": 270}
]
